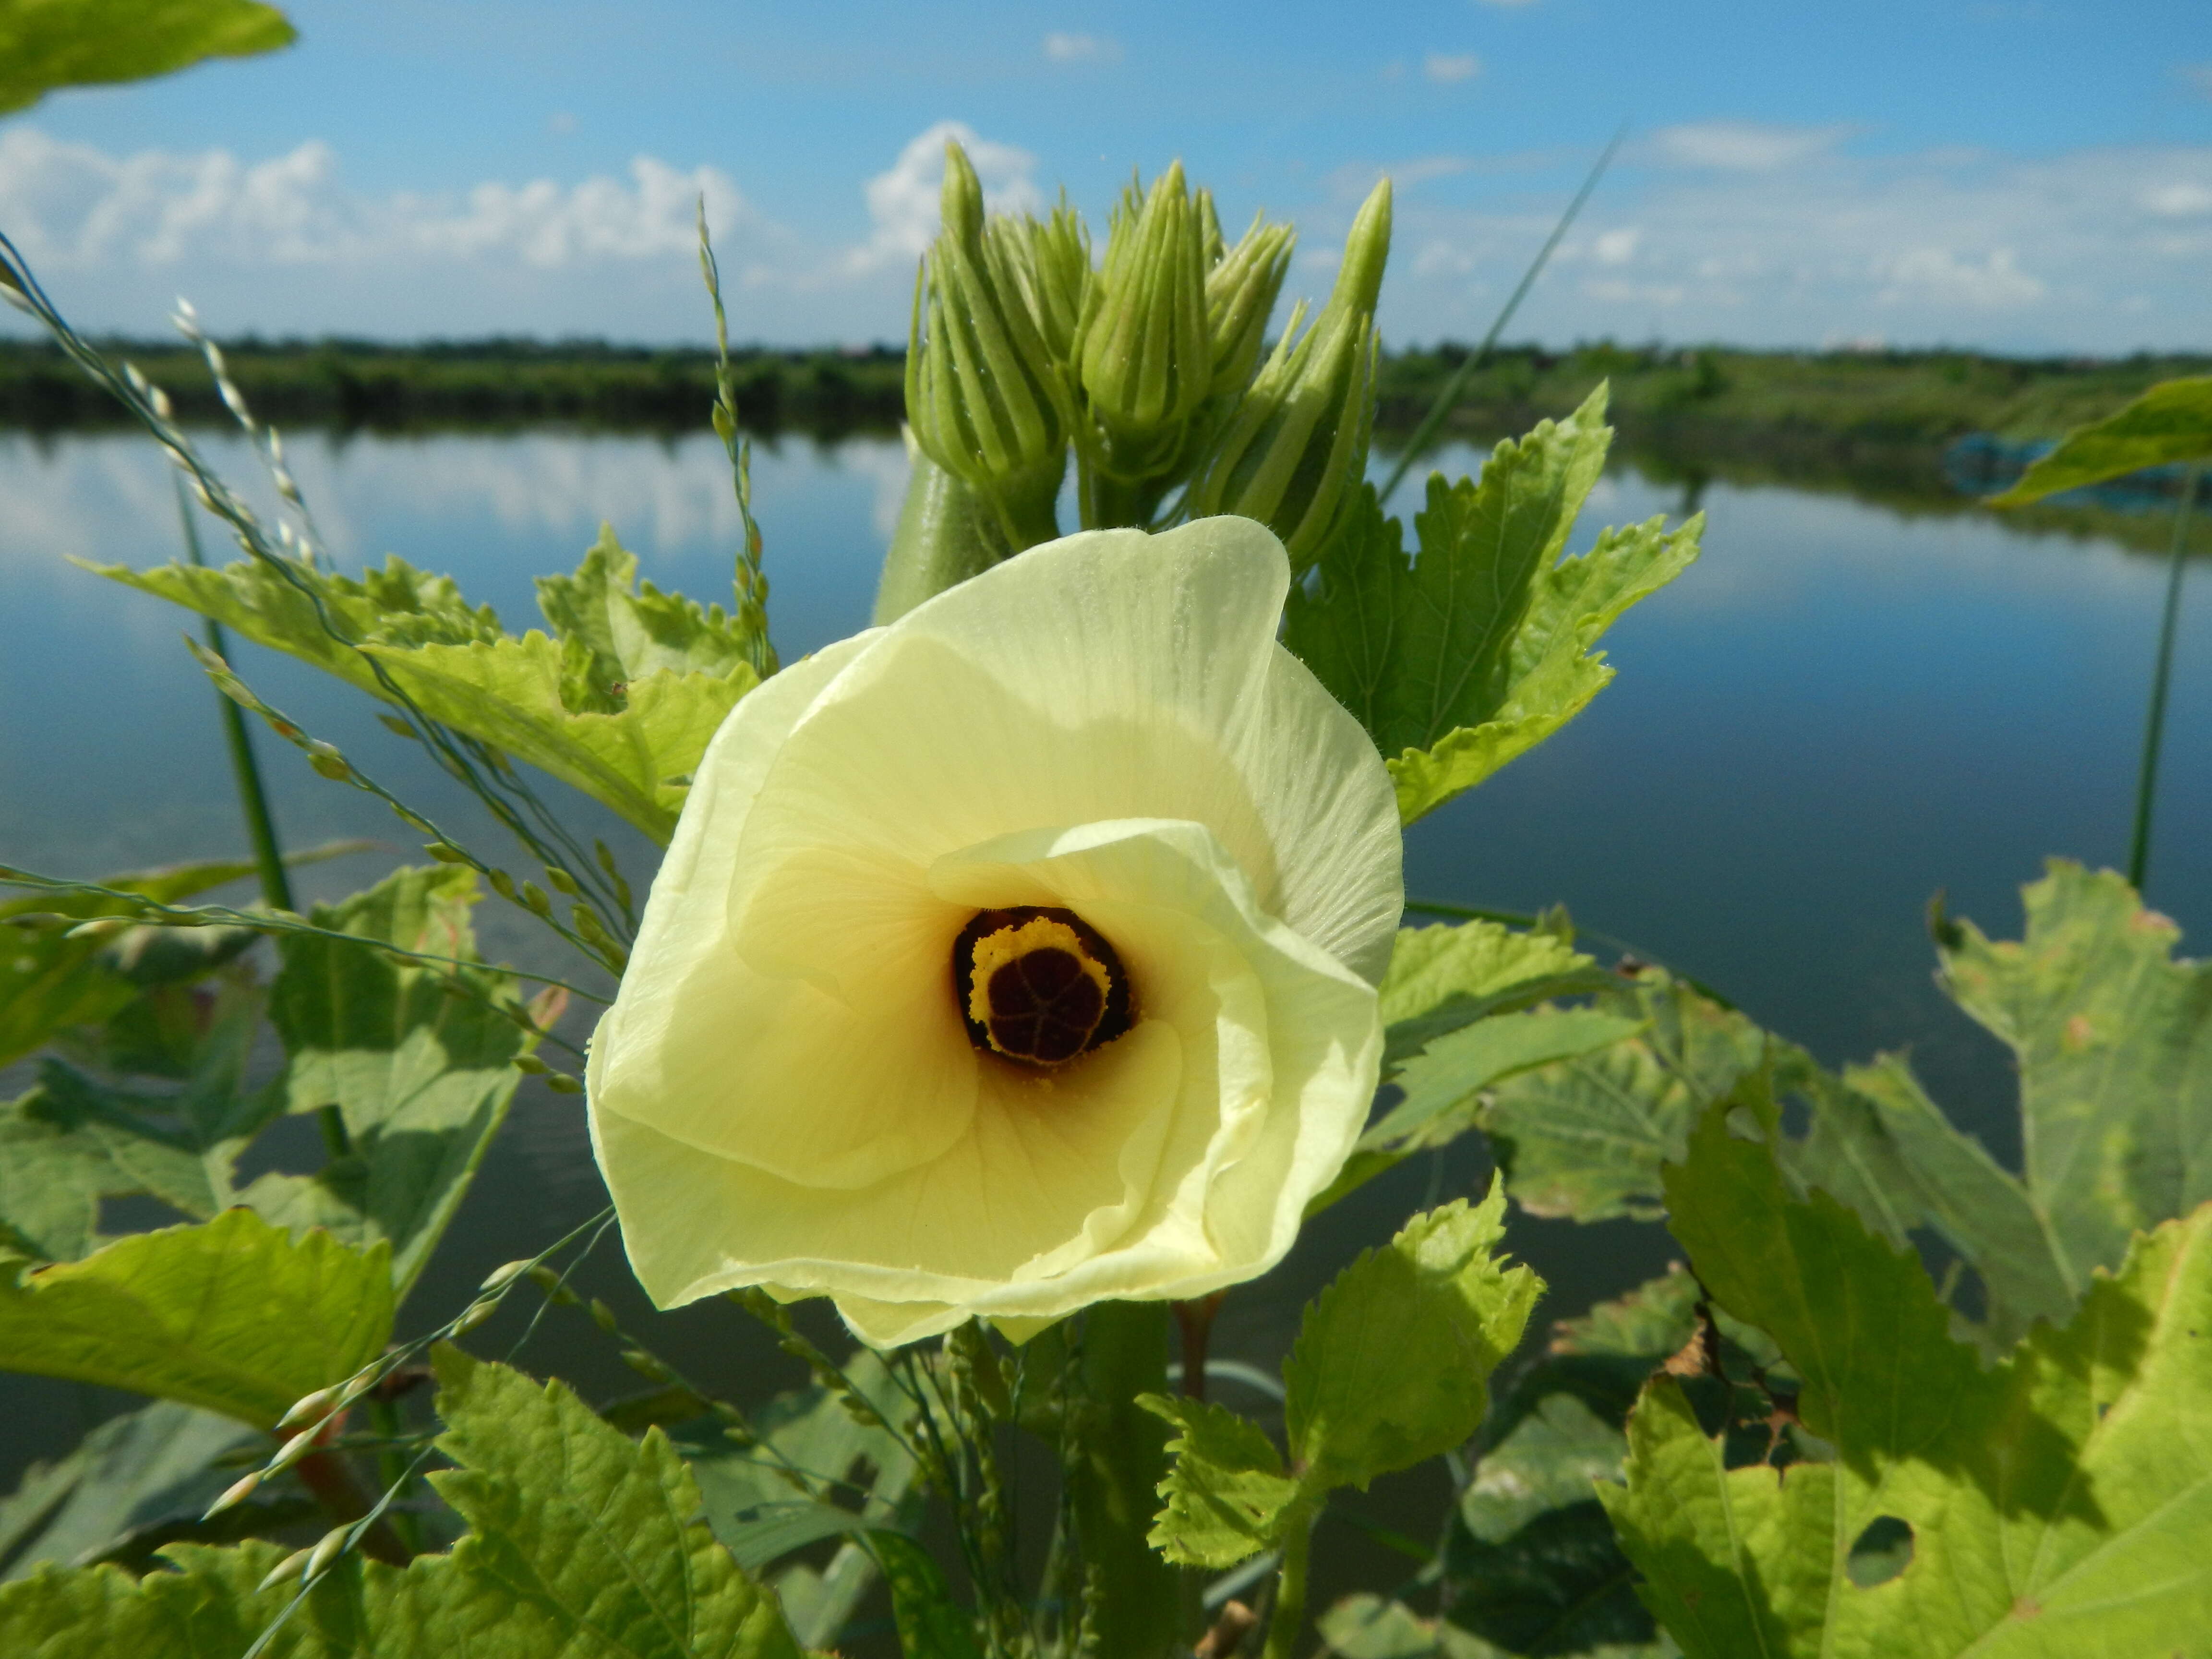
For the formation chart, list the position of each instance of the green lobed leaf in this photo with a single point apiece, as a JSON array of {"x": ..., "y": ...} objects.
[
  {"x": 621, "y": 706},
  {"x": 1462, "y": 659},
  {"x": 231, "y": 1315},
  {"x": 210, "y": 1606},
  {"x": 1877, "y": 1142},
  {"x": 1391, "y": 1361},
  {"x": 1417, "y": 648},
  {"x": 77, "y": 1139},
  {"x": 1559, "y": 1585},
  {"x": 582, "y": 1542},
  {"x": 144, "y": 1467},
  {"x": 1528, "y": 1564},
  {"x": 73, "y": 1141},
  {"x": 1227, "y": 1495},
  {"x": 50, "y": 981},
  {"x": 930, "y": 1624},
  {"x": 1443, "y": 1084},
  {"x": 422, "y": 1074},
  {"x": 1441, "y": 978},
  {"x": 1554, "y": 672},
  {"x": 1370, "y": 1626},
  {"x": 752, "y": 1508},
  {"x": 510, "y": 693},
  {"x": 618, "y": 631},
  {"x": 1586, "y": 1138},
  {"x": 2171, "y": 422},
  {"x": 46, "y": 45},
  {"x": 2060, "y": 1504},
  {"x": 2113, "y": 1041},
  {"x": 397, "y": 605}
]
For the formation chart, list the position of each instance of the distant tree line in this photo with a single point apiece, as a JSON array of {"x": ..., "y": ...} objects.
[
  {"x": 473, "y": 383},
  {"x": 1840, "y": 403}
]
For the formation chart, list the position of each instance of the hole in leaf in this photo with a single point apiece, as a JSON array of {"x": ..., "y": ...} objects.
[
  {"x": 1883, "y": 1551},
  {"x": 1742, "y": 1124}
]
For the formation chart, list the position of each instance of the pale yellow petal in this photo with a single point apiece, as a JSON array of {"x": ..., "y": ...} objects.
[
  {"x": 684, "y": 923},
  {"x": 1246, "y": 1078},
  {"x": 773, "y": 1067},
  {"x": 1010, "y": 1190},
  {"x": 1112, "y": 675}
]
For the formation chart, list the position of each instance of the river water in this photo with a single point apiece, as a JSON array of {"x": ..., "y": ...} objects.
[{"x": 1838, "y": 712}]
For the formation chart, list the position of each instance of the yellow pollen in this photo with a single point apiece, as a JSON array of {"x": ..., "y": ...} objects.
[{"x": 994, "y": 950}]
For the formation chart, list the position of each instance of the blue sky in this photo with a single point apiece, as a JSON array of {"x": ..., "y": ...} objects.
[{"x": 2032, "y": 177}]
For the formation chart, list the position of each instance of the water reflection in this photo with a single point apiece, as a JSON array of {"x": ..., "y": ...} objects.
[{"x": 1839, "y": 711}]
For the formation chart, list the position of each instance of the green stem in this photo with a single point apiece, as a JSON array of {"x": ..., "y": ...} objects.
[
  {"x": 946, "y": 533},
  {"x": 395, "y": 1469},
  {"x": 260, "y": 827},
  {"x": 1448, "y": 399},
  {"x": 1289, "y": 1617},
  {"x": 253, "y": 802},
  {"x": 1115, "y": 1467},
  {"x": 2162, "y": 677}
]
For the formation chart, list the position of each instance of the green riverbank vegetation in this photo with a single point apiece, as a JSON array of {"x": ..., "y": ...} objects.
[{"x": 1875, "y": 425}]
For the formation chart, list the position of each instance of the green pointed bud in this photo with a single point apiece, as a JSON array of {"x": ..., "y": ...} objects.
[
  {"x": 1241, "y": 290},
  {"x": 1366, "y": 251},
  {"x": 1210, "y": 241},
  {"x": 1050, "y": 261},
  {"x": 1298, "y": 442},
  {"x": 983, "y": 393},
  {"x": 1145, "y": 362}
]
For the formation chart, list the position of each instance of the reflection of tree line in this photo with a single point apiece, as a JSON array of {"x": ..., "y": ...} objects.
[
  {"x": 1874, "y": 426},
  {"x": 1911, "y": 479}
]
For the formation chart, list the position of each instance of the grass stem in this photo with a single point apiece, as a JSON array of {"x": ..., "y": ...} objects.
[
  {"x": 253, "y": 802},
  {"x": 1448, "y": 399},
  {"x": 2160, "y": 682}
]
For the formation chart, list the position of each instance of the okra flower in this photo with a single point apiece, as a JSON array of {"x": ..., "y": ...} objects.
[{"x": 1016, "y": 956}]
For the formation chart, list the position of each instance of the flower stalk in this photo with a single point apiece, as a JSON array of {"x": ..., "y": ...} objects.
[
  {"x": 946, "y": 533},
  {"x": 1120, "y": 1458}
]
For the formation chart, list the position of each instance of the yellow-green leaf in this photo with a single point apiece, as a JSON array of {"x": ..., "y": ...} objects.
[
  {"x": 2171, "y": 422},
  {"x": 1392, "y": 1360},
  {"x": 508, "y": 692},
  {"x": 48, "y": 43},
  {"x": 2057, "y": 1504},
  {"x": 231, "y": 1315},
  {"x": 1226, "y": 1495}
]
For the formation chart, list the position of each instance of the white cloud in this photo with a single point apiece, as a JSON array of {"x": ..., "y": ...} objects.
[
  {"x": 2183, "y": 199},
  {"x": 1616, "y": 247},
  {"x": 1742, "y": 146},
  {"x": 70, "y": 205},
  {"x": 1990, "y": 283},
  {"x": 285, "y": 245},
  {"x": 1448, "y": 68},
  {"x": 903, "y": 202},
  {"x": 2091, "y": 250},
  {"x": 1081, "y": 49},
  {"x": 2198, "y": 76}
]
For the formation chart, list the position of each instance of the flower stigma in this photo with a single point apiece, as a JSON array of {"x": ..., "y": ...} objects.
[{"x": 1037, "y": 985}]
